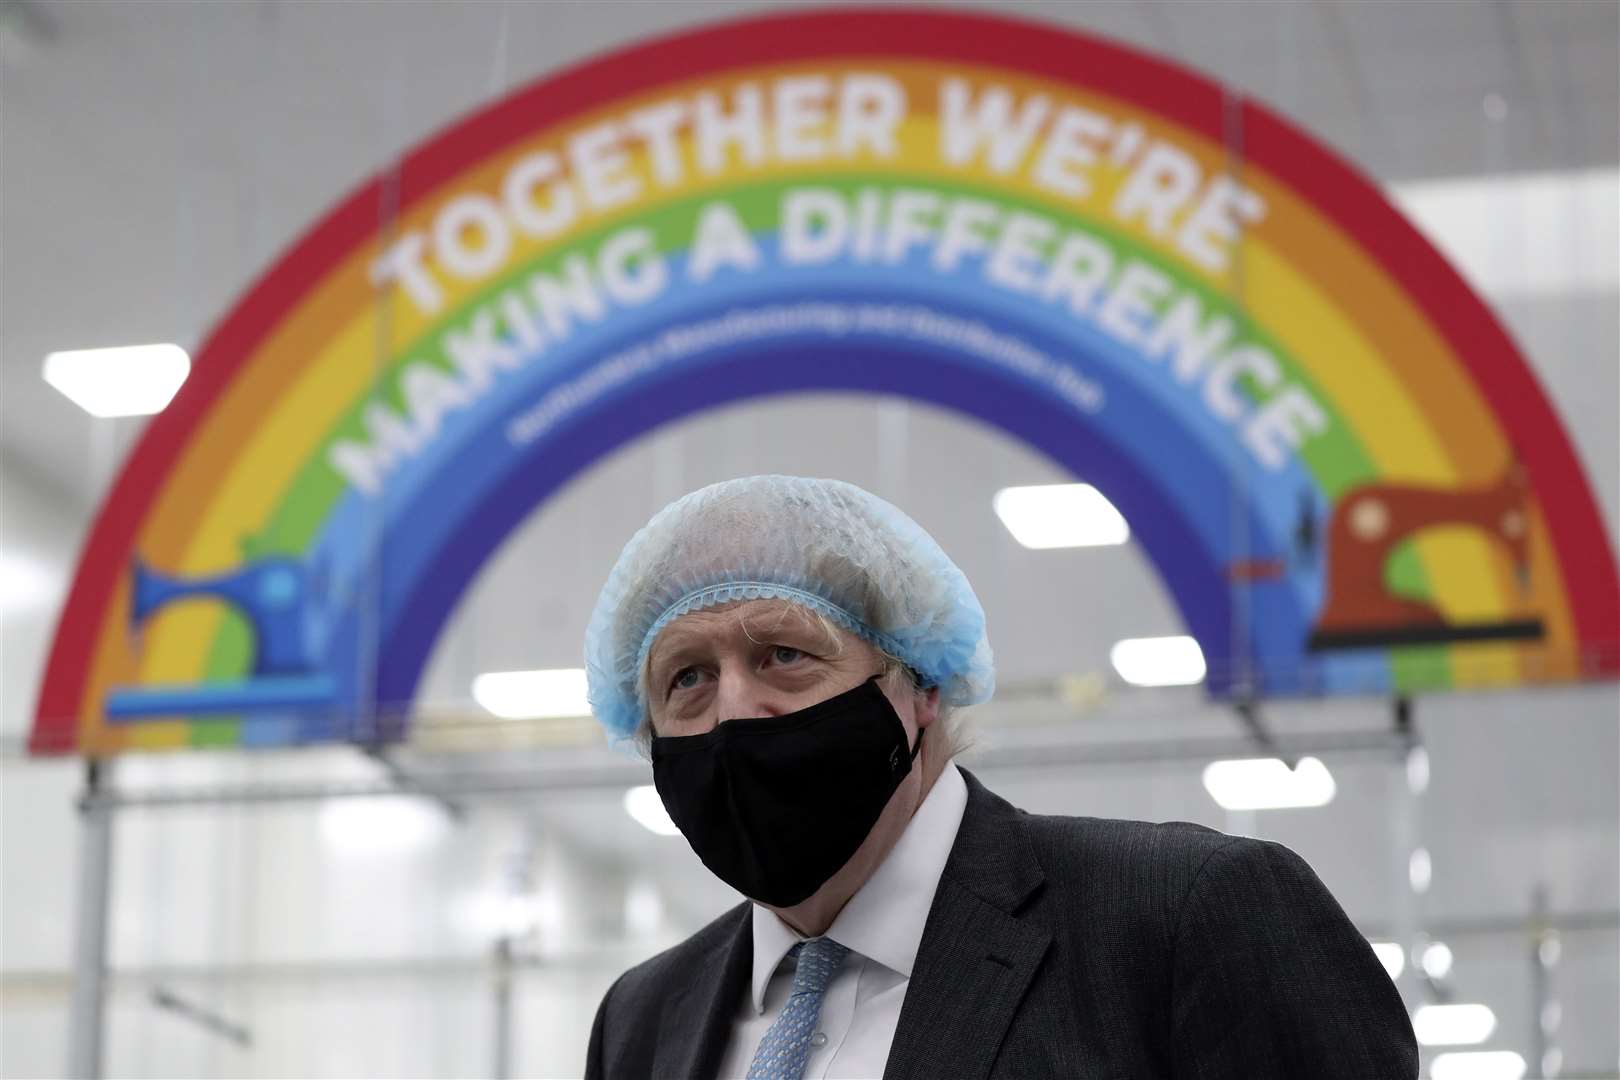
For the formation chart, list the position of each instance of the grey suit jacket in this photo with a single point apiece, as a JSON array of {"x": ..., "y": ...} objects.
[{"x": 1074, "y": 947}]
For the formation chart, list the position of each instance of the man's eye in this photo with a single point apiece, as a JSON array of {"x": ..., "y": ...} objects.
[
  {"x": 785, "y": 654},
  {"x": 684, "y": 679}
]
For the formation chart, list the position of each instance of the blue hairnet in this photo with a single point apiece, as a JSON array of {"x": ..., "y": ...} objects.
[{"x": 825, "y": 544}]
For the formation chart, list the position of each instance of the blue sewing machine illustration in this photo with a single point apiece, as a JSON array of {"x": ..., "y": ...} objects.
[{"x": 279, "y": 597}]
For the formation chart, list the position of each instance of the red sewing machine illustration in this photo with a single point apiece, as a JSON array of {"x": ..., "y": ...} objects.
[{"x": 1369, "y": 522}]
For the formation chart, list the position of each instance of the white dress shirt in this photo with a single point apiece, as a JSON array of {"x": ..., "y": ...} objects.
[{"x": 882, "y": 926}]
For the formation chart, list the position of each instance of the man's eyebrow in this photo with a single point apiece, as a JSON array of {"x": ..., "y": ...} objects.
[
  {"x": 801, "y": 630},
  {"x": 672, "y": 647},
  {"x": 663, "y": 654}
]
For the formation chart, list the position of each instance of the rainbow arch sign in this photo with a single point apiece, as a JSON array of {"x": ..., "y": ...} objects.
[{"x": 1335, "y": 457}]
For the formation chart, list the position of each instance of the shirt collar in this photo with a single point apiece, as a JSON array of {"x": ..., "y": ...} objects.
[{"x": 884, "y": 920}]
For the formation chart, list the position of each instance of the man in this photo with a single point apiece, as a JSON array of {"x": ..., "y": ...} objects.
[{"x": 791, "y": 652}]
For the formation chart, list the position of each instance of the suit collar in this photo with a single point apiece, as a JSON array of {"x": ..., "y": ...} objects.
[
  {"x": 992, "y": 857},
  {"x": 977, "y": 958}
]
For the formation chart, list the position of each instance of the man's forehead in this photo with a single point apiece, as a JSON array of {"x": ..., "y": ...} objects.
[
  {"x": 733, "y": 621},
  {"x": 696, "y": 627}
]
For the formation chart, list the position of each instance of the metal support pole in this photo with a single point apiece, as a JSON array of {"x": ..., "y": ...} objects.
[
  {"x": 1403, "y": 719},
  {"x": 1249, "y": 712},
  {"x": 90, "y": 945},
  {"x": 206, "y": 1019},
  {"x": 1545, "y": 947},
  {"x": 503, "y": 1008},
  {"x": 1405, "y": 840}
]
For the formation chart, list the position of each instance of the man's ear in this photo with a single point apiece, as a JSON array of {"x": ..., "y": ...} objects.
[{"x": 927, "y": 707}]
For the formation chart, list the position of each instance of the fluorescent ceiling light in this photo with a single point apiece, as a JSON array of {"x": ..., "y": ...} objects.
[
  {"x": 1268, "y": 783},
  {"x": 1478, "y": 1065},
  {"x": 1524, "y": 234},
  {"x": 1392, "y": 956},
  {"x": 532, "y": 695},
  {"x": 1420, "y": 870},
  {"x": 1158, "y": 661},
  {"x": 386, "y": 825},
  {"x": 643, "y": 804},
  {"x": 132, "y": 380},
  {"x": 1437, "y": 960},
  {"x": 494, "y": 914},
  {"x": 1453, "y": 1025},
  {"x": 1417, "y": 770},
  {"x": 1060, "y": 516}
]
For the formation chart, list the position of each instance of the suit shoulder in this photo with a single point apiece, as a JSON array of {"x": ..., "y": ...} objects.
[
  {"x": 1106, "y": 840},
  {"x": 1152, "y": 866},
  {"x": 1162, "y": 860}
]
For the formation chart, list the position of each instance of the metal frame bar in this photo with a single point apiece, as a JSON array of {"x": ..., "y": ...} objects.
[
  {"x": 608, "y": 776},
  {"x": 85, "y": 1027}
]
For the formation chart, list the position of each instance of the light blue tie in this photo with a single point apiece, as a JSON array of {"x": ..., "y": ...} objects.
[{"x": 785, "y": 1049}]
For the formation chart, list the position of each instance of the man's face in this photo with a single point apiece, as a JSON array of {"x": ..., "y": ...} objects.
[
  {"x": 767, "y": 658},
  {"x": 757, "y": 658}
]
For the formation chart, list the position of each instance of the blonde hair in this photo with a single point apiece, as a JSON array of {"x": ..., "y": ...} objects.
[{"x": 895, "y": 675}]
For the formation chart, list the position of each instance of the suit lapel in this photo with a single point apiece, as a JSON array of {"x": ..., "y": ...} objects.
[
  {"x": 696, "y": 1022},
  {"x": 976, "y": 959}
]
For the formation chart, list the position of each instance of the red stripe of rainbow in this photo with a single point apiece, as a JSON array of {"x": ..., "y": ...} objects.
[{"x": 1340, "y": 195}]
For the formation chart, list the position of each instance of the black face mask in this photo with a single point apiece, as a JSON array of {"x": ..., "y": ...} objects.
[{"x": 775, "y": 806}]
